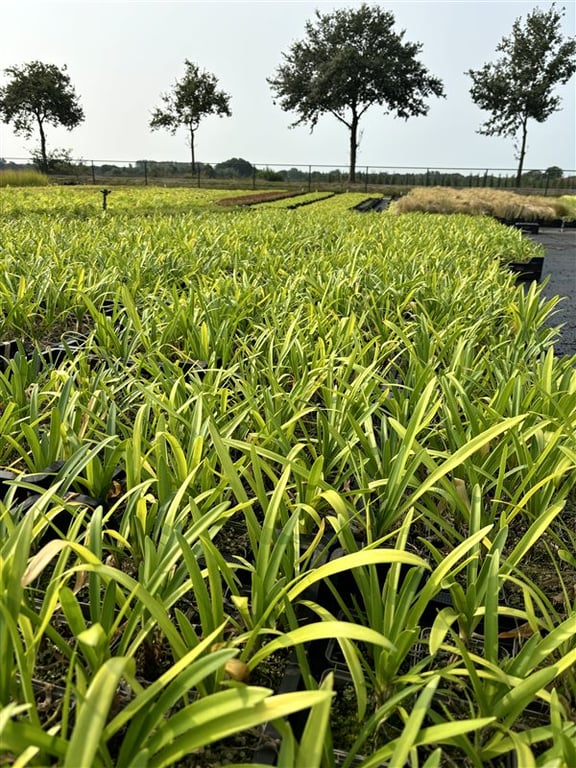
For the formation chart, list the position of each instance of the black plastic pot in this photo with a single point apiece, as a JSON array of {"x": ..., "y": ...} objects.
[
  {"x": 532, "y": 227},
  {"x": 42, "y": 480},
  {"x": 308, "y": 202},
  {"x": 6, "y": 478},
  {"x": 7, "y": 351},
  {"x": 267, "y": 752},
  {"x": 558, "y": 224},
  {"x": 193, "y": 367},
  {"x": 292, "y": 681},
  {"x": 527, "y": 271},
  {"x": 374, "y": 204},
  {"x": 60, "y": 523},
  {"x": 52, "y": 356},
  {"x": 189, "y": 368},
  {"x": 345, "y": 585},
  {"x": 59, "y": 353},
  {"x": 26, "y": 497},
  {"x": 107, "y": 307},
  {"x": 506, "y": 646}
]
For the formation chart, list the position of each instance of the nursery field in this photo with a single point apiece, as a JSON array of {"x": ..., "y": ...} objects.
[{"x": 280, "y": 487}]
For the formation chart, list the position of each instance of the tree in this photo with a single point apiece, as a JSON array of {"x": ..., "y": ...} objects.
[
  {"x": 192, "y": 98},
  {"x": 38, "y": 95},
  {"x": 235, "y": 166},
  {"x": 554, "y": 172},
  {"x": 350, "y": 60},
  {"x": 520, "y": 85}
]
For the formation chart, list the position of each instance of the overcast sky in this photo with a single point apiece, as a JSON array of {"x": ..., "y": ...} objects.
[{"x": 122, "y": 55}]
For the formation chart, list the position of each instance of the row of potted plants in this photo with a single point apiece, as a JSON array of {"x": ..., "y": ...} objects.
[{"x": 342, "y": 507}]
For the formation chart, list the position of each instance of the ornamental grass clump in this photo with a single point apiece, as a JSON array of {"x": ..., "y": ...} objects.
[
  {"x": 482, "y": 202},
  {"x": 261, "y": 410},
  {"x": 28, "y": 178}
]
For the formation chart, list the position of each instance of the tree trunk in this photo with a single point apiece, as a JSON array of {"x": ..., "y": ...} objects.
[
  {"x": 43, "y": 146},
  {"x": 353, "y": 148},
  {"x": 522, "y": 152},
  {"x": 192, "y": 157}
]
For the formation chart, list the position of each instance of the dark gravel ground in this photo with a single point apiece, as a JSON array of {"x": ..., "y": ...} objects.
[{"x": 560, "y": 265}]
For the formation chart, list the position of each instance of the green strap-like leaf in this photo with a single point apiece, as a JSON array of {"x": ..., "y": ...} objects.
[
  {"x": 311, "y": 745},
  {"x": 222, "y": 714},
  {"x": 355, "y": 560},
  {"x": 323, "y": 630},
  {"x": 94, "y": 712},
  {"x": 413, "y": 724}
]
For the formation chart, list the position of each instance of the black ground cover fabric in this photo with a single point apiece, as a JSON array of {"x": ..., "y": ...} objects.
[{"x": 560, "y": 265}]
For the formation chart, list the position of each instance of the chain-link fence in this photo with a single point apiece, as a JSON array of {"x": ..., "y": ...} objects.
[{"x": 240, "y": 173}]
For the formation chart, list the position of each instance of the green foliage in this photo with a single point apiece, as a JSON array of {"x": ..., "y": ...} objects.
[
  {"x": 350, "y": 60},
  {"x": 38, "y": 95},
  {"x": 56, "y": 160},
  {"x": 520, "y": 85},
  {"x": 375, "y": 383},
  {"x": 236, "y": 167},
  {"x": 269, "y": 174},
  {"x": 568, "y": 203},
  {"x": 192, "y": 98},
  {"x": 554, "y": 172},
  {"x": 23, "y": 179}
]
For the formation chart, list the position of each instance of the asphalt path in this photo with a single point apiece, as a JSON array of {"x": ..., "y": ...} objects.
[{"x": 560, "y": 266}]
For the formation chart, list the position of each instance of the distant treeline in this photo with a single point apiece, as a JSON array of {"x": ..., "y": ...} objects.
[{"x": 82, "y": 171}]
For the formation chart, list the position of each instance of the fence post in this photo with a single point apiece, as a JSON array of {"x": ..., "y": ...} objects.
[
  {"x": 253, "y": 177},
  {"x": 366, "y": 181},
  {"x": 145, "y": 173},
  {"x": 547, "y": 183},
  {"x": 93, "y": 173},
  {"x": 309, "y": 178}
]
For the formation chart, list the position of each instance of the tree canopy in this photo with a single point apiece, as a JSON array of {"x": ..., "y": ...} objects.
[
  {"x": 520, "y": 85},
  {"x": 350, "y": 60},
  {"x": 235, "y": 166},
  {"x": 38, "y": 95},
  {"x": 191, "y": 99}
]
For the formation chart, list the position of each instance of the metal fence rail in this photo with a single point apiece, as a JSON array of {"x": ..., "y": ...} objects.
[{"x": 305, "y": 176}]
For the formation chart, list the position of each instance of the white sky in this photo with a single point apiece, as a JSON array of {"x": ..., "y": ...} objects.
[{"x": 122, "y": 55}]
